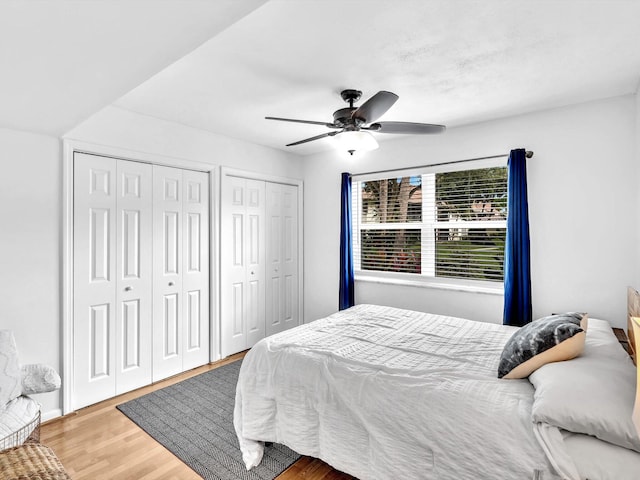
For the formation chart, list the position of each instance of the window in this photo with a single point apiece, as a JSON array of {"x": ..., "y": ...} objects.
[{"x": 437, "y": 224}]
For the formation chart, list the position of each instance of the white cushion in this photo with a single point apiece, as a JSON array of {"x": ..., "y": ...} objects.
[
  {"x": 10, "y": 375},
  {"x": 592, "y": 394},
  {"x": 39, "y": 378}
]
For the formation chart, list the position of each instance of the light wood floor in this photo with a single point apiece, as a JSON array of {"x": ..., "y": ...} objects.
[{"x": 100, "y": 443}]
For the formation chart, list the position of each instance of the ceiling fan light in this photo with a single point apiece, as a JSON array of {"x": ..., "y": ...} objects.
[{"x": 355, "y": 141}]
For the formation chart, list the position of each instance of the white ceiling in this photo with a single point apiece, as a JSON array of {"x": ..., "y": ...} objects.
[
  {"x": 450, "y": 61},
  {"x": 63, "y": 60}
]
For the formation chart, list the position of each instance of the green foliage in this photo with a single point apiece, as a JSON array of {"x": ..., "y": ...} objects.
[
  {"x": 479, "y": 255},
  {"x": 404, "y": 257}
]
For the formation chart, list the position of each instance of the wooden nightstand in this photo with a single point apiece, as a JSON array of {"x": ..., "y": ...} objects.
[{"x": 622, "y": 338}]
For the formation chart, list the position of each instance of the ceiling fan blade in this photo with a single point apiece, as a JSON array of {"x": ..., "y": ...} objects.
[
  {"x": 375, "y": 107},
  {"x": 317, "y": 137},
  {"x": 330, "y": 125},
  {"x": 406, "y": 127}
]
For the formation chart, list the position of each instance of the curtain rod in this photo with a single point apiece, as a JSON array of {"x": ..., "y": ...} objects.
[{"x": 527, "y": 154}]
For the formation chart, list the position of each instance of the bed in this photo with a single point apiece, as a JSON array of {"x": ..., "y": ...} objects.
[{"x": 379, "y": 392}]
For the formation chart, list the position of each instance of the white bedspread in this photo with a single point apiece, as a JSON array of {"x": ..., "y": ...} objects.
[{"x": 380, "y": 393}]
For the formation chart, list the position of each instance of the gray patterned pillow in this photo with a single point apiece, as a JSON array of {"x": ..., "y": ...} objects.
[{"x": 548, "y": 339}]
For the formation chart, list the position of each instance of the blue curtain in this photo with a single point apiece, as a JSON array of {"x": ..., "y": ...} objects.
[
  {"x": 346, "y": 252},
  {"x": 517, "y": 263}
]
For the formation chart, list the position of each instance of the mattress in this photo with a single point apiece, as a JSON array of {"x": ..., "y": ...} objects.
[{"x": 379, "y": 392}]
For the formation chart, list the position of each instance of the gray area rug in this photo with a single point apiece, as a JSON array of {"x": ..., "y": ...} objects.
[{"x": 194, "y": 420}]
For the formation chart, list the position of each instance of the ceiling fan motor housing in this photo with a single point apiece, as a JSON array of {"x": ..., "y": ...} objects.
[{"x": 342, "y": 118}]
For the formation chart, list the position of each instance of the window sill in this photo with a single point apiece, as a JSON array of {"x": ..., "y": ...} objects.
[{"x": 441, "y": 284}]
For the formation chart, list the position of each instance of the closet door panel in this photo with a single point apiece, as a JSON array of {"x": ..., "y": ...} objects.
[
  {"x": 255, "y": 262},
  {"x": 94, "y": 279},
  {"x": 233, "y": 265},
  {"x": 134, "y": 275},
  {"x": 195, "y": 276},
  {"x": 167, "y": 271},
  {"x": 131, "y": 345},
  {"x": 170, "y": 327},
  {"x": 282, "y": 263},
  {"x": 274, "y": 258},
  {"x": 242, "y": 264},
  {"x": 255, "y": 318},
  {"x": 290, "y": 258}
]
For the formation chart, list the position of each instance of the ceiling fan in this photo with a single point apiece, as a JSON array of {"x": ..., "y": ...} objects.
[{"x": 351, "y": 125}]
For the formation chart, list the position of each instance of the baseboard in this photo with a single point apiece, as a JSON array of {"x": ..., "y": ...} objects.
[{"x": 51, "y": 414}]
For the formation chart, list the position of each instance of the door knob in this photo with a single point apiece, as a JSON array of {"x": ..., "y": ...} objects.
[
  {"x": 252, "y": 273},
  {"x": 127, "y": 289},
  {"x": 171, "y": 284}
]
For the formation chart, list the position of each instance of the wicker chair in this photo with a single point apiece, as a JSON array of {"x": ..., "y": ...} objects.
[
  {"x": 21, "y": 456},
  {"x": 19, "y": 413},
  {"x": 31, "y": 461}
]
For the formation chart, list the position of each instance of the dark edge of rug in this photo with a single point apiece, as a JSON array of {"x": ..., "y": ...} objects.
[{"x": 194, "y": 420}]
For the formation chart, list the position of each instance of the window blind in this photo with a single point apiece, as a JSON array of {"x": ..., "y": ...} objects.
[{"x": 445, "y": 224}]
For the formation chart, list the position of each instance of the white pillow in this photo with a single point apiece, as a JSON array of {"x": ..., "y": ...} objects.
[
  {"x": 592, "y": 394},
  {"x": 600, "y": 460},
  {"x": 39, "y": 378}
]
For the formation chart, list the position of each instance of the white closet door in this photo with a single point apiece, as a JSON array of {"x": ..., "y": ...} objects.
[
  {"x": 274, "y": 303},
  {"x": 134, "y": 275},
  {"x": 290, "y": 258},
  {"x": 94, "y": 278},
  {"x": 141, "y": 274},
  {"x": 255, "y": 260},
  {"x": 195, "y": 276},
  {"x": 242, "y": 264},
  {"x": 233, "y": 265},
  {"x": 282, "y": 296},
  {"x": 168, "y": 263}
]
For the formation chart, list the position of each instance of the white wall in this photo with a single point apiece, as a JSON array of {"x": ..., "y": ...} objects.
[
  {"x": 582, "y": 200},
  {"x": 30, "y": 199},
  {"x": 116, "y": 127}
]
